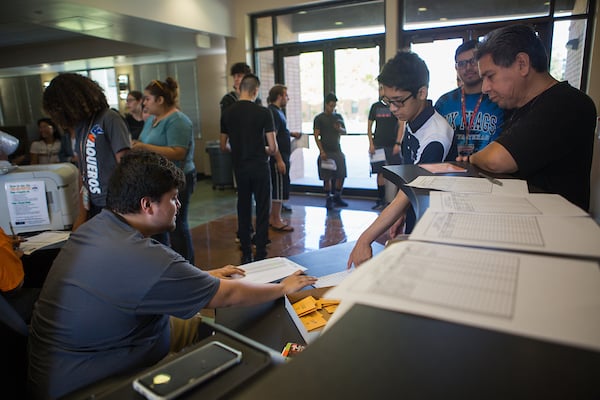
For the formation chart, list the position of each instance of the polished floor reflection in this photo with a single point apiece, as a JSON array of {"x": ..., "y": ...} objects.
[{"x": 214, "y": 223}]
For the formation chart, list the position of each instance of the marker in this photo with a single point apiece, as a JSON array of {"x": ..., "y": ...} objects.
[{"x": 491, "y": 179}]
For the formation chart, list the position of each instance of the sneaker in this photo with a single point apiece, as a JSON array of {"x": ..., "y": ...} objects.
[
  {"x": 329, "y": 203},
  {"x": 339, "y": 202},
  {"x": 286, "y": 208}
]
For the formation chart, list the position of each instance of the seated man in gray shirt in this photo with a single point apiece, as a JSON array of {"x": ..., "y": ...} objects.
[{"x": 108, "y": 303}]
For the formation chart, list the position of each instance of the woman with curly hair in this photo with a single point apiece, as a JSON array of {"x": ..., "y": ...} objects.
[
  {"x": 73, "y": 100},
  {"x": 169, "y": 132},
  {"x": 45, "y": 150}
]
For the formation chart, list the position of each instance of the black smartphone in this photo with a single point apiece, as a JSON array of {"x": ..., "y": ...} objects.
[{"x": 175, "y": 377}]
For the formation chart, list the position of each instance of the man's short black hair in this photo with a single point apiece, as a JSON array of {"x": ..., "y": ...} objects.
[
  {"x": 330, "y": 97},
  {"x": 141, "y": 174},
  {"x": 240, "y": 68},
  {"x": 503, "y": 44},
  {"x": 249, "y": 83},
  {"x": 406, "y": 71},
  {"x": 466, "y": 46}
]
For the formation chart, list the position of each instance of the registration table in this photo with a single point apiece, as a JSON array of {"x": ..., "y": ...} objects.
[{"x": 400, "y": 175}]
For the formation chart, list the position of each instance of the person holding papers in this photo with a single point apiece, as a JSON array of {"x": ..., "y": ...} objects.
[
  {"x": 327, "y": 128},
  {"x": 427, "y": 138},
  {"x": 549, "y": 138},
  {"x": 106, "y": 305}
]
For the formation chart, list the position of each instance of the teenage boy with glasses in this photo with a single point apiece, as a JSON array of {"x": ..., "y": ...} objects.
[{"x": 427, "y": 139}]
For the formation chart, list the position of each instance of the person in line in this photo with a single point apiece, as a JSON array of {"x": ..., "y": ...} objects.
[
  {"x": 134, "y": 117},
  {"x": 476, "y": 120},
  {"x": 327, "y": 128},
  {"x": 387, "y": 136},
  {"x": 102, "y": 137},
  {"x": 549, "y": 139},
  {"x": 427, "y": 139},
  {"x": 169, "y": 132},
  {"x": 246, "y": 128},
  {"x": 105, "y": 308},
  {"x": 237, "y": 72},
  {"x": 45, "y": 150},
  {"x": 280, "y": 162}
]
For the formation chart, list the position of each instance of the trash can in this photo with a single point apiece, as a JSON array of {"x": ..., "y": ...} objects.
[{"x": 220, "y": 166}]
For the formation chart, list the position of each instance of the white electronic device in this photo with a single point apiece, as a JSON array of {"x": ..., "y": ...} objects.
[{"x": 36, "y": 198}]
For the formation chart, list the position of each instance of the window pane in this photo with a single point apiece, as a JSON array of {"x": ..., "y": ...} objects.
[
  {"x": 346, "y": 20},
  {"x": 107, "y": 80},
  {"x": 567, "y": 51},
  {"x": 439, "y": 57},
  {"x": 570, "y": 7},
  {"x": 265, "y": 71},
  {"x": 422, "y": 14},
  {"x": 356, "y": 86},
  {"x": 263, "y": 30}
]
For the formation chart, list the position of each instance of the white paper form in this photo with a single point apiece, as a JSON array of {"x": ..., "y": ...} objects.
[
  {"x": 573, "y": 236},
  {"x": 463, "y": 184},
  {"x": 270, "y": 269},
  {"x": 550, "y": 298},
  {"x": 378, "y": 156},
  {"x": 332, "y": 279},
  {"x": 42, "y": 240},
  {"x": 532, "y": 204}
]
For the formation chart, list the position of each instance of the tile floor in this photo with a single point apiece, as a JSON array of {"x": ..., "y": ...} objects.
[{"x": 213, "y": 221}]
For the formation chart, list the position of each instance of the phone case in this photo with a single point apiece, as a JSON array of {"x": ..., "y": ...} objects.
[{"x": 178, "y": 376}]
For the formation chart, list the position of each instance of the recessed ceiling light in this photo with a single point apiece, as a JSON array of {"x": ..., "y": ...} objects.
[
  {"x": 443, "y": 19},
  {"x": 338, "y": 23},
  {"x": 422, "y": 9},
  {"x": 80, "y": 24}
]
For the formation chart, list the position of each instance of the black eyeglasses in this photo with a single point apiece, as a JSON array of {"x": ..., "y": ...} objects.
[
  {"x": 463, "y": 63},
  {"x": 397, "y": 103}
]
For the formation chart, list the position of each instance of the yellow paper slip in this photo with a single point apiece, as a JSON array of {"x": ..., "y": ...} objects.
[
  {"x": 305, "y": 306},
  {"x": 313, "y": 320},
  {"x": 321, "y": 303},
  {"x": 331, "y": 309}
]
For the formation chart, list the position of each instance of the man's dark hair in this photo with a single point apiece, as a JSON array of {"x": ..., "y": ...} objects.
[
  {"x": 72, "y": 98},
  {"x": 249, "y": 83},
  {"x": 330, "y": 97},
  {"x": 503, "y": 44},
  {"x": 141, "y": 174},
  {"x": 466, "y": 46},
  {"x": 240, "y": 68},
  {"x": 406, "y": 71}
]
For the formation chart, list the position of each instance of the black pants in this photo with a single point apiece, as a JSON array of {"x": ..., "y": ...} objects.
[{"x": 253, "y": 180}]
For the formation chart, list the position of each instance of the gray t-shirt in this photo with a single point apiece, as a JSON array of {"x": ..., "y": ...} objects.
[
  {"x": 98, "y": 143},
  {"x": 104, "y": 307}
]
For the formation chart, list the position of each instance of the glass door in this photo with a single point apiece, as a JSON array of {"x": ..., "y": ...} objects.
[{"x": 349, "y": 72}]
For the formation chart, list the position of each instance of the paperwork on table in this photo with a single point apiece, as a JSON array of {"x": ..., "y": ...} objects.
[
  {"x": 573, "y": 236},
  {"x": 464, "y": 184},
  {"x": 531, "y": 204},
  {"x": 553, "y": 298},
  {"x": 42, "y": 240},
  {"x": 270, "y": 269}
]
